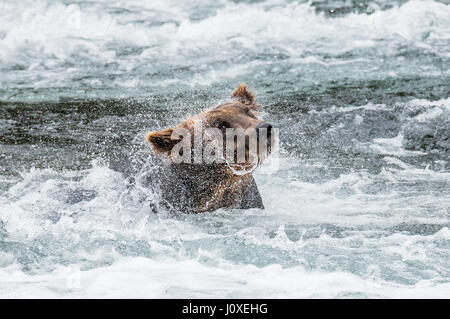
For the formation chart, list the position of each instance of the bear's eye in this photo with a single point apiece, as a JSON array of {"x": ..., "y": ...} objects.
[
  {"x": 250, "y": 113},
  {"x": 221, "y": 125}
]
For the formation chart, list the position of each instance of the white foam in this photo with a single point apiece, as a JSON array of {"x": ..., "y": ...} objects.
[
  {"x": 392, "y": 146},
  {"x": 145, "y": 278},
  {"x": 45, "y": 36},
  {"x": 190, "y": 254}
]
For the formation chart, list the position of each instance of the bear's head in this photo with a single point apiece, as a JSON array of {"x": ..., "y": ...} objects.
[{"x": 229, "y": 133}]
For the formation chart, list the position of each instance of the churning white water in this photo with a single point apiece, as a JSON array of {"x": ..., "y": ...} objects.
[{"x": 359, "y": 202}]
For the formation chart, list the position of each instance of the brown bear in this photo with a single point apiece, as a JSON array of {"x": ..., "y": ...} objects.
[{"x": 196, "y": 186}]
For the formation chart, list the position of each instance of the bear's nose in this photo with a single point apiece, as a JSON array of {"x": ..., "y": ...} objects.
[{"x": 267, "y": 126}]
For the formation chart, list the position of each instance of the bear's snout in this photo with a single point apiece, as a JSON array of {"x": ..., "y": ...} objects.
[
  {"x": 265, "y": 125},
  {"x": 268, "y": 129}
]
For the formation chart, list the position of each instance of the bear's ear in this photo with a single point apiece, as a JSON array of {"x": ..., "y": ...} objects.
[
  {"x": 161, "y": 140},
  {"x": 242, "y": 95}
]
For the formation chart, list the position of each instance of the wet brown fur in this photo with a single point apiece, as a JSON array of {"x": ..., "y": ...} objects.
[{"x": 207, "y": 187}]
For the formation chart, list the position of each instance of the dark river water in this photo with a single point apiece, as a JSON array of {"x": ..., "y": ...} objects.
[{"x": 357, "y": 205}]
